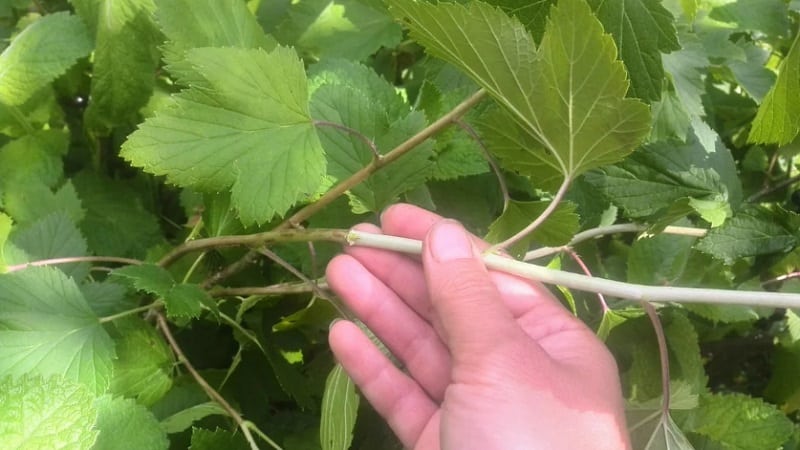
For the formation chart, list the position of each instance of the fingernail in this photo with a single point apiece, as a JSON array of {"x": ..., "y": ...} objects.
[
  {"x": 449, "y": 241},
  {"x": 334, "y": 322}
]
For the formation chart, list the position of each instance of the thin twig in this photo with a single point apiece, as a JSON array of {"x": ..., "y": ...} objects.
[
  {"x": 562, "y": 190},
  {"x": 611, "y": 229},
  {"x": 594, "y": 284},
  {"x": 575, "y": 257},
  {"x": 663, "y": 354},
  {"x": 210, "y": 391},
  {"x": 356, "y": 178},
  {"x": 291, "y": 269},
  {"x": 501, "y": 180},
  {"x": 266, "y": 291},
  {"x": 770, "y": 189},
  {"x": 253, "y": 240},
  {"x": 73, "y": 259},
  {"x": 370, "y": 143}
]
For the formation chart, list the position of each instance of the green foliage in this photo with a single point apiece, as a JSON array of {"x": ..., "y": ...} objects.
[{"x": 146, "y": 145}]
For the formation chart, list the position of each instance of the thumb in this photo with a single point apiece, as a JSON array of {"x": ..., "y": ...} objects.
[{"x": 467, "y": 303}]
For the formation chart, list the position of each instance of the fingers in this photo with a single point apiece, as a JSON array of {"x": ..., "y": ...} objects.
[
  {"x": 396, "y": 397},
  {"x": 472, "y": 314},
  {"x": 408, "y": 336}
]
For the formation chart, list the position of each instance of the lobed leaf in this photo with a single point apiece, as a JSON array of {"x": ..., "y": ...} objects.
[
  {"x": 246, "y": 129},
  {"x": 569, "y": 95},
  {"x": 54, "y": 236},
  {"x": 144, "y": 363},
  {"x": 47, "y": 328},
  {"x": 558, "y": 229}
]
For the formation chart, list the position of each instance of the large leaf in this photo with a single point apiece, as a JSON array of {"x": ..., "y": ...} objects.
[
  {"x": 46, "y": 327},
  {"x": 642, "y": 29},
  {"x": 778, "y": 117},
  {"x": 54, "y": 236},
  {"x": 125, "y": 58},
  {"x": 570, "y": 95},
  {"x": 558, "y": 229},
  {"x": 247, "y": 129},
  {"x": 42, "y": 52},
  {"x": 658, "y": 175},
  {"x": 144, "y": 363},
  {"x": 45, "y": 413},
  {"x": 206, "y": 23},
  {"x": 125, "y": 424},
  {"x": 339, "y": 408}
]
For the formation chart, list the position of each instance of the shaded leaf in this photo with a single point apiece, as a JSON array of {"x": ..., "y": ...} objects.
[
  {"x": 144, "y": 363},
  {"x": 203, "y": 439},
  {"x": 558, "y": 229},
  {"x": 184, "y": 418},
  {"x": 125, "y": 424},
  {"x": 642, "y": 29},
  {"x": 752, "y": 231},
  {"x": 54, "y": 236},
  {"x": 148, "y": 277}
]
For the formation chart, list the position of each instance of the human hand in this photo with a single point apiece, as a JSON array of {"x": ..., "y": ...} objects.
[{"x": 491, "y": 361}]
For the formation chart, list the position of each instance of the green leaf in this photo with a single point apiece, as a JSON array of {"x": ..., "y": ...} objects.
[
  {"x": 107, "y": 298},
  {"x": 768, "y": 16},
  {"x": 206, "y": 23},
  {"x": 558, "y": 229},
  {"x": 125, "y": 61},
  {"x": 54, "y": 236},
  {"x": 659, "y": 260},
  {"x": 147, "y": 277},
  {"x": 614, "y": 318},
  {"x": 42, "y": 52},
  {"x": 660, "y": 174},
  {"x": 125, "y": 424},
  {"x": 642, "y": 29},
  {"x": 532, "y": 14},
  {"x": 183, "y": 301},
  {"x": 739, "y": 422},
  {"x": 116, "y": 222},
  {"x": 46, "y": 413},
  {"x": 247, "y": 129},
  {"x": 144, "y": 363},
  {"x": 352, "y": 29},
  {"x": 778, "y": 117},
  {"x": 33, "y": 201},
  {"x": 5, "y": 230},
  {"x": 33, "y": 158},
  {"x": 339, "y": 409},
  {"x": 650, "y": 429},
  {"x": 203, "y": 439},
  {"x": 184, "y": 419},
  {"x": 752, "y": 231},
  {"x": 47, "y": 327},
  {"x": 569, "y": 96},
  {"x": 348, "y": 154}
]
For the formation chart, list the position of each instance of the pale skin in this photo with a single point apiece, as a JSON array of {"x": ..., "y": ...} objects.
[{"x": 490, "y": 361}]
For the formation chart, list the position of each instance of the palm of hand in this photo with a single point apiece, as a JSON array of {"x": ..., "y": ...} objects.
[{"x": 491, "y": 361}]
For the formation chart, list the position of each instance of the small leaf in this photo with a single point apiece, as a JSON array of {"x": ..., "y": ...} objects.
[
  {"x": 659, "y": 260},
  {"x": 184, "y": 419},
  {"x": 256, "y": 137},
  {"x": 778, "y": 117},
  {"x": 144, "y": 363},
  {"x": 148, "y": 277},
  {"x": 43, "y": 51},
  {"x": 203, "y": 439},
  {"x": 184, "y": 301},
  {"x": 33, "y": 201},
  {"x": 46, "y": 413},
  {"x": 46, "y": 327},
  {"x": 339, "y": 409},
  {"x": 34, "y": 157},
  {"x": 558, "y": 229},
  {"x": 569, "y": 96},
  {"x": 125, "y": 424}
]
